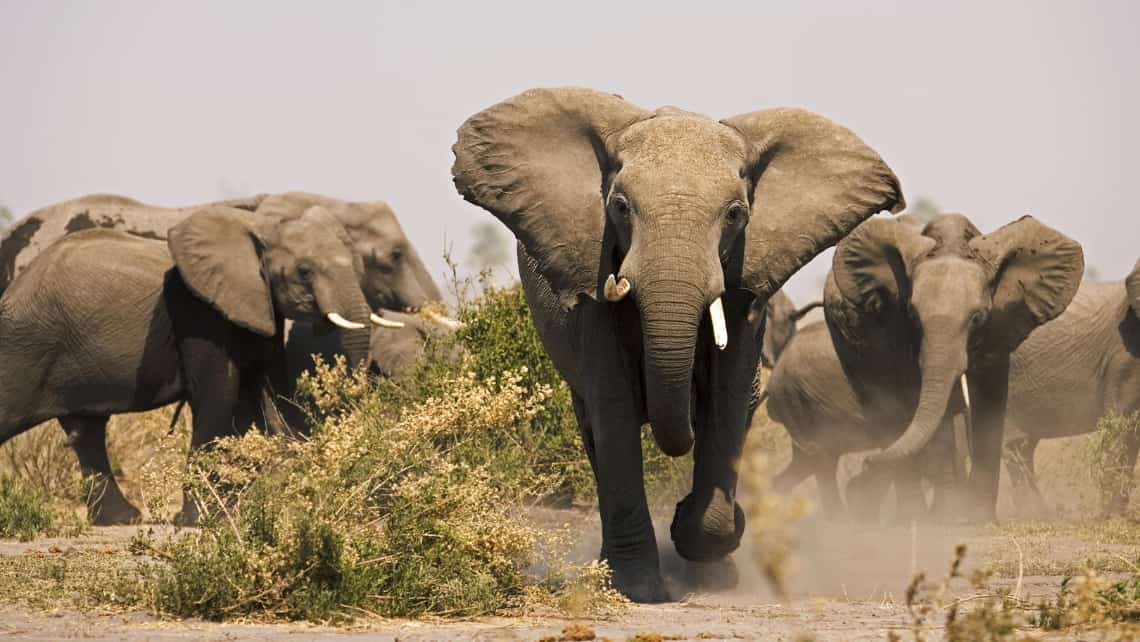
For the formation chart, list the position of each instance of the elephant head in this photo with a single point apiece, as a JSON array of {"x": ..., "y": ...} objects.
[
  {"x": 960, "y": 299},
  {"x": 391, "y": 272},
  {"x": 668, "y": 207},
  {"x": 258, "y": 271},
  {"x": 780, "y": 319}
]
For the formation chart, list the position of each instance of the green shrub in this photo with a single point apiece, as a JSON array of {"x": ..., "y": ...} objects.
[{"x": 24, "y": 510}]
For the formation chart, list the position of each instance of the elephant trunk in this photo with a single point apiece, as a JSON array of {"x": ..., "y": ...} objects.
[
  {"x": 672, "y": 305},
  {"x": 942, "y": 361},
  {"x": 344, "y": 298}
]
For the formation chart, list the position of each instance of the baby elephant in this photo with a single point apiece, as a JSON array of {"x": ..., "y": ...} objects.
[{"x": 103, "y": 322}]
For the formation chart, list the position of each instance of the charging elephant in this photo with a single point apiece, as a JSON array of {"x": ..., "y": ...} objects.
[
  {"x": 910, "y": 314},
  {"x": 1070, "y": 372},
  {"x": 644, "y": 239},
  {"x": 100, "y": 323}
]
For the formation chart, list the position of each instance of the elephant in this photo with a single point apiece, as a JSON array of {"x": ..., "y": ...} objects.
[
  {"x": 644, "y": 239},
  {"x": 105, "y": 322},
  {"x": 919, "y": 328},
  {"x": 781, "y": 317},
  {"x": 29, "y": 236},
  {"x": 1072, "y": 371},
  {"x": 393, "y": 275}
]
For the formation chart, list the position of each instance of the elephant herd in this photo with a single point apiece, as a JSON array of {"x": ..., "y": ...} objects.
[{"x": 652, "y": 245}]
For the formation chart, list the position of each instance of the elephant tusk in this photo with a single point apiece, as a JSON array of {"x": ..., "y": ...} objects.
[
  {"x": 443, "y": 320},
  {"x": 720, "y": 332},
  {"x": 965, "y": 391},
  {"x": 384, "y": 323},
  {"x": 616, "y": 290},
  {"x": 342, "y": 322}
]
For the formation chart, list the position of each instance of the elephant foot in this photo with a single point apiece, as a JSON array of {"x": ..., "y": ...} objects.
[
  {"x": 707, "y": 533},
  {"x": 106, "y": 505},
  {"x": 717, "y": 575},
  {"x": 113, "y": 513},
  {"x": 638, "y": 582}
]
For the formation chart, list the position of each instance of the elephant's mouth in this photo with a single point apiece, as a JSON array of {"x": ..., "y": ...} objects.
[{"x": 431, "y": 313}]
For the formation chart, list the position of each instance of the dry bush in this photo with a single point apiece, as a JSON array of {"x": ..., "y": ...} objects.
[{"x": 393, "y": 511}]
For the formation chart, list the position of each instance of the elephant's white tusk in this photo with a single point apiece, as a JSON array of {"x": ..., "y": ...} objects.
[
  {"x": 384, "y": 323},
  {"x": 446, "y": 321},
  {"x": 720, "y": 332},
  {"x": 965, "y": 392},
  {"x": 342, "y": 322},
  {"x": 616, "y": 290}
]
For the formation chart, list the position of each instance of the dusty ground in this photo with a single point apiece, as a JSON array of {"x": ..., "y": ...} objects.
[{"x": 847, "y": 583}]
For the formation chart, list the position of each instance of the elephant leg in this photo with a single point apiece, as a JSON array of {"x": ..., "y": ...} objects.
[
  {"x": 827, "y": 479},
  {"x": 215, "y": 397},
  {"x": 610, "y": 421},
  {"x": 106, "y": 504},
  {"x": 1022, "y": 476},
  {"x": 989, "y": 391},
  {"x": 629, "y": 544},
  {"x": 797, "y": 470}
]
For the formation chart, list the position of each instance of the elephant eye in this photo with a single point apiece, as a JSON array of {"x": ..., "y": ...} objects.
[
  {"x": 619, "y": 205},
  {"x": 977, "y": 319},
  {"x": 397, "y": 254},
  {"x": 736, "y": 214},
  {"x": 304, "y": 271}
]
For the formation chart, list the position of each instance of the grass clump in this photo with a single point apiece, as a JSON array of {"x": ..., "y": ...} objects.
[
  {"x": 24, "y": 510},
  {"x": 1110, "y": 468},
  {"x": 390, "y": 511}
]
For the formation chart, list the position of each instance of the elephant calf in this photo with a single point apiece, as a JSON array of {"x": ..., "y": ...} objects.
[
  {"x": 1072, "y": 371},
  {"x": 103, "y": 322}
]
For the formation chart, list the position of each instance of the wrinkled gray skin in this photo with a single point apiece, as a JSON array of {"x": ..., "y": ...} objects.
[
  {"x": 391, "y": 272},
  {"x": 781, "y": 317},
  {"x": 1072, "y": 371},
  {"x": 99, "y": 324},
  {"x": 686, "y": 210},
  {"x": 908, "y": 312}
]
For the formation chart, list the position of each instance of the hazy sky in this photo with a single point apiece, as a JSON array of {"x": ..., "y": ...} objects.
[{"x": 993, "y": 109}]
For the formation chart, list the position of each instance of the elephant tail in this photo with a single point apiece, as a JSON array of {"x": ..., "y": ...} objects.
[
  {"x": 799, "y": 314},
  {"x": 177, "y": 414}
]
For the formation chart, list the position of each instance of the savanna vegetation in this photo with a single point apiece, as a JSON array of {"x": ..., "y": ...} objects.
[{"x": 416, "y": 496}]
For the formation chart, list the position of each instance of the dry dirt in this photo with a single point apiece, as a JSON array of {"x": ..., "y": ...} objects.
[{"x": 847, "y": 583}]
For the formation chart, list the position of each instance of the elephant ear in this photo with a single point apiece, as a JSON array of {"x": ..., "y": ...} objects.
[
  {"x": 537, "y": 161},
  {"x": 1132, "y": 286},
  {"x": 217, "y": 253},
  {"x": 814, "y": 181},
  {"x": 872, "y": 266},
  {"x": 1036, "y": 272}
]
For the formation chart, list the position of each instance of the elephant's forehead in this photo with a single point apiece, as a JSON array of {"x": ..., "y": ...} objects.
[
  {"x": 681, "y": 139},
  {"x": 310, "y": 237},
  {"x": 948, "y": 278}
]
